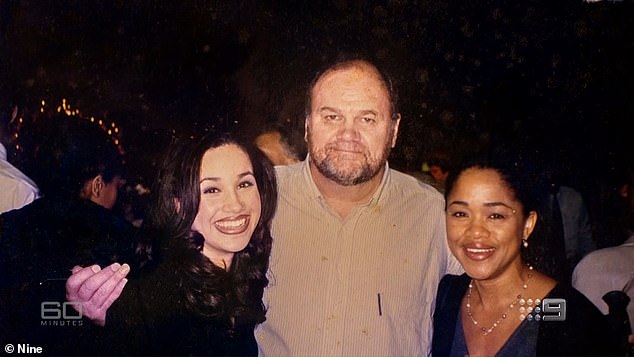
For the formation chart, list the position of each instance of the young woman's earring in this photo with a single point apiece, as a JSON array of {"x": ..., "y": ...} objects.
[{"x": 525, "y": 243}]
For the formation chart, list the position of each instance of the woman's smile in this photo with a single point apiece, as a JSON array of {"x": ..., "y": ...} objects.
[{"x": 233, "y": 225}]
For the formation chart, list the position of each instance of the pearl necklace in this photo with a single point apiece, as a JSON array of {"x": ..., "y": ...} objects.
[{"x": 486, "y": 331}]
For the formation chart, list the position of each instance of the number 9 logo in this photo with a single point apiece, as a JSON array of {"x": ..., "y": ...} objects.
[{"x": 554, "y": 309}]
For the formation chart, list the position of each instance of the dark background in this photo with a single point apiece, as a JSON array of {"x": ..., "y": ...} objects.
[{"x": 553, "y": 77}]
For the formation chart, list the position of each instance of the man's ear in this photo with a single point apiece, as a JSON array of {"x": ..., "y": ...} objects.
[
  {"x": 306, "y": 128},
  {"x": 395, "y": 124},
  {"x": 91, "y": 188},
  {"x": 96, "y": 186}
]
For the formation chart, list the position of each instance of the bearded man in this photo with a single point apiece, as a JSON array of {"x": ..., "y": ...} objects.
[{"x": 358, "y": 248}]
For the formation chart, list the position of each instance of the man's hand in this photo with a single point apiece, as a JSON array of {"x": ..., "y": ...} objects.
[{"x": 96, "y": 289}]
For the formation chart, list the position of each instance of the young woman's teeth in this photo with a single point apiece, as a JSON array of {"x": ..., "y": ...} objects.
[{"x": 232, "y": 224}]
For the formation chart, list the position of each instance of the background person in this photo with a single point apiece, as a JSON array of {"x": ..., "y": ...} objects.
[
  {"x": 439, "y": 168},
  {"x": 72, "y": 223},
  {"x": 17, "y": 188},
  {"x": 571, "y": 215},
  {"x": 612, "y": 269},
  {"x": 281, "y": 145}
]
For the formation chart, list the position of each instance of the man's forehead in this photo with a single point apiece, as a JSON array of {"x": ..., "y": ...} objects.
[
  {"x": 353, "y": 72},
  {"x": 351, "y": 79}
]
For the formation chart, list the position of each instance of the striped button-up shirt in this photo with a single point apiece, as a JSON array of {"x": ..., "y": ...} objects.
[{"x": 363, "y": 285}]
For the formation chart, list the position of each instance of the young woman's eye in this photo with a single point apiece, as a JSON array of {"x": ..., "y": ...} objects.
[
  {"x": 245, "y": 184},
  {"x": 211, "y": 190}
]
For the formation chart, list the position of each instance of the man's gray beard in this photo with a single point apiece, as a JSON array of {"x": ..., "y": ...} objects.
[
  {"x": 328, "y": 169},
  {"x": 365, "y": 173}
]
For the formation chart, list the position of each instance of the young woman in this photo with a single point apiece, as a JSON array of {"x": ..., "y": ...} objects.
[
  {"x": 496, "y": 307},
  {"x": 205, "y": 252}
]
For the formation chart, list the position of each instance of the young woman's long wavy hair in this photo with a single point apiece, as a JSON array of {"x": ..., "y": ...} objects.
[{"x": 233, "y": 297}]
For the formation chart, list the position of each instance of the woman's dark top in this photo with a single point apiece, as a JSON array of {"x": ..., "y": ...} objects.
[
  {"x": 516, "y": 345},
  {"x": 581, "y": 334},
  {"x": 151, "y": 318}
]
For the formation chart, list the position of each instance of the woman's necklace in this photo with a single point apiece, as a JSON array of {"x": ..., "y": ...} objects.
[{"x": 486, "y": 331}]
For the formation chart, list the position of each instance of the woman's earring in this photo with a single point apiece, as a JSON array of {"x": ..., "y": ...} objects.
[{"x": 525, "y": 243}]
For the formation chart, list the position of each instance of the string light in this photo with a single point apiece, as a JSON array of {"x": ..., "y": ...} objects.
[{"x": 112, "y": 132}]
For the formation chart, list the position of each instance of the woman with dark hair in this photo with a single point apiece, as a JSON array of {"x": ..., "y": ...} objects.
[
  {"x": 502, "y": 305},
  {"x": 204, "y": 250}
]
